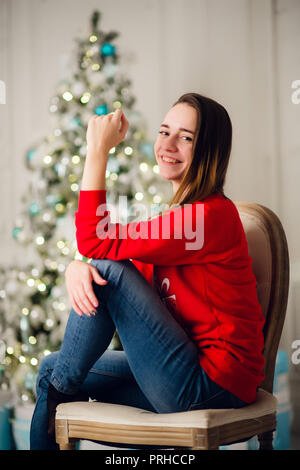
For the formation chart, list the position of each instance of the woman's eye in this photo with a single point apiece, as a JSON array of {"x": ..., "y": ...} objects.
[{"x": 189, "y": 139}]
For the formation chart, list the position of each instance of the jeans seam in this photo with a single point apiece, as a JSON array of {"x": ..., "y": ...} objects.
[
  {"x": 109, "y": 374},
  {"x": 54, "y": 380}
]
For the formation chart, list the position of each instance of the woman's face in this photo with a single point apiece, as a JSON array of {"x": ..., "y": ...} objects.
[{"x": 175, "y": 143}]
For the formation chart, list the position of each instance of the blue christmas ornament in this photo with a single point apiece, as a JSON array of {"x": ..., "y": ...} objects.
[
  {"x": 102, "y": 109},
  {"x": 52, "y": 200},
  {"x": 16, "y": 232},
  {"x": 108, "y": 49},
  {"x": 75, "y": 122},
  {"x": 34, "y": 208},
  {"x": 30, "y": 154},
  {"x": 60, "y": 169}
]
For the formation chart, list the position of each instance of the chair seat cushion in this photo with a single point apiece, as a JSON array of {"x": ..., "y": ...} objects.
[{"x": 265, "y": 404}]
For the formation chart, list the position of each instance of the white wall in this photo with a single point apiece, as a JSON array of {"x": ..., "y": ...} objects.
[{"x": 244, "y": 53}]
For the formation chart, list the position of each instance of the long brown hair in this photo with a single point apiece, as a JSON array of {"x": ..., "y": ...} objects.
[{"x": 211, "y": 151}]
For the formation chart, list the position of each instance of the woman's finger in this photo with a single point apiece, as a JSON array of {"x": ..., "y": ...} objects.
[
  {"x": 79, "y": 298},
  {"x": 77, "y": 309},
  {"x": 93, "y": 118},
  {"x": 90, "y": 297},
  {"x": 97, "y": 277},
  {"x": 90, "y": 308},
  {"x": 75, "y": 306},
  {"x": 79, "y": 303},
  {"x": 124, "y": 125}
]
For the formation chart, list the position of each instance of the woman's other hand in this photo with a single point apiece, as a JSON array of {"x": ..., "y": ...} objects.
[{"x": 79, "y": 277}]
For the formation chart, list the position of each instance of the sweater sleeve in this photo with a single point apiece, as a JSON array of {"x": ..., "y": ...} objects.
[{"x": 175, "y": 238}]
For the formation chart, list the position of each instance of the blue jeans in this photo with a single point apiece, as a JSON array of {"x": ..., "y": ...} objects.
[{"x": 158, "y": 370}]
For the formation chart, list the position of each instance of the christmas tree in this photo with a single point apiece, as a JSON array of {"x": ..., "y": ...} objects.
[{"x": 34, "y": 304}]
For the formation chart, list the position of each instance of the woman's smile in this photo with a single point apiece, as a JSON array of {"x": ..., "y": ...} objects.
[{"x": 169, "y": 160}]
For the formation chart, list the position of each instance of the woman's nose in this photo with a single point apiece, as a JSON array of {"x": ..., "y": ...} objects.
[{"x": 170, "y": 143}]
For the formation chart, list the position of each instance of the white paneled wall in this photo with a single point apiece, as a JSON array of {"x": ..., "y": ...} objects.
[{"x": 244, "y": 53}]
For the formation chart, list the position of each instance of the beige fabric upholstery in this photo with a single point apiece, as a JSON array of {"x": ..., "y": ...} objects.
[
  {"x": 260, "y": 252},
  {"x": 95, "y": 411}
]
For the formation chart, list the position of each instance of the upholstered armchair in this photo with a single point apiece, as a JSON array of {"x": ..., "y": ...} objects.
[{"x": 203, "y": 429}]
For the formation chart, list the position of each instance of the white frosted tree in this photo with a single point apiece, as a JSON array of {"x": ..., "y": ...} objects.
[{"x": 34, "y": 305}]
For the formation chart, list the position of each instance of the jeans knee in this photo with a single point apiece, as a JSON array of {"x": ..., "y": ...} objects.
[
  {"x": 110, "y": 269},
  {"x": 46, "y": 367}
]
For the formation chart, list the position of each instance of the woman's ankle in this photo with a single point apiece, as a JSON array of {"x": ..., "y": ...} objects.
[{"x": 54, "y": 398}]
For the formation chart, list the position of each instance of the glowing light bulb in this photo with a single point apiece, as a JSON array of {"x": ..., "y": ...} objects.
[
  {"x": 61, "y": 268},
  {"x": 67, "y": 96},
  {"x": 128, "y": 150},
  {"x": 85, "y": 97},
  {"x": 46, "y": 217},
  {"x": 47, "y": 159},
  {"x": 143, "y": 166},
  {"x": 49, "y": 322},
  {"x": 42, "y": 287},
  {"x": 59, "y": 207},
  {"x": 117, "y": 104},
  {"x": 74, "y": 187},
  {"x": 40, "y": 240},
  {"x": 75, "y": 159},
  {"x": 139, "y": 196}
]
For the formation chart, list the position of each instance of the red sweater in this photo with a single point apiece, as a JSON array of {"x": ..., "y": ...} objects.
[{"x": 209, "y": 287}]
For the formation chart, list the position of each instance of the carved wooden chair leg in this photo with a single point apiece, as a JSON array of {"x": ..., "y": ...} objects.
[
  {"x": 71, "y": 445},
  {"x": 266, "y": 441},
  {"x": 62, "y": 435}
]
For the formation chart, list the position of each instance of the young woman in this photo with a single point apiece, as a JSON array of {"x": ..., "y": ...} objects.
[{"x": 186, "y": 310}]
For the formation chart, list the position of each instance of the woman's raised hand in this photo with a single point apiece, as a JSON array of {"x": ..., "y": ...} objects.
[
  {"x": 79, "y": 277},
  {"x": 106, "y": 131}
]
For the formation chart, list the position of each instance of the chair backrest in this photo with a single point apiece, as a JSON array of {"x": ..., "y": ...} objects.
[{"x": 267, "y": 246}]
